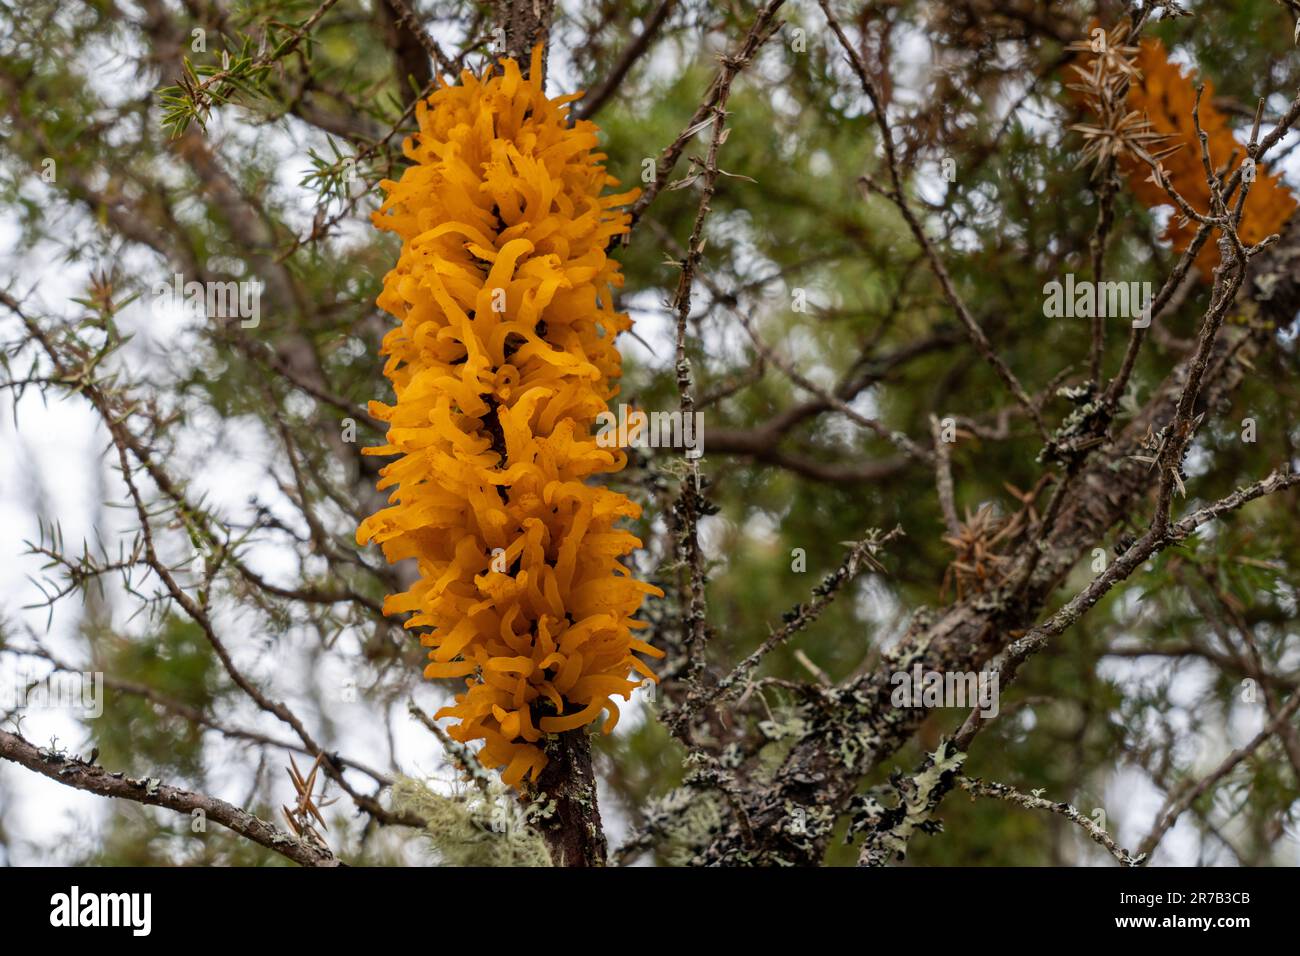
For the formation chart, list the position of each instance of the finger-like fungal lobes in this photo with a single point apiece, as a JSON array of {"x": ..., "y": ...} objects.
[{"x": 502, "y": 360}]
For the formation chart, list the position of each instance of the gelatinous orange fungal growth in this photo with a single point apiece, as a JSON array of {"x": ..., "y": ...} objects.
[
  {"x": 1164, "y": 96},
  {"x": 503, "y": 359},
  {"x": 1167, "y": 97}
]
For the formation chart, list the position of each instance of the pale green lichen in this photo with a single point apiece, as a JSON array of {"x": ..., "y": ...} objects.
[
  {"x": 784, "y": 724},
  {"x": 689, "y": 819},
  {"x": 472, "y": 828},
  {"x": 889, "y": 830}
]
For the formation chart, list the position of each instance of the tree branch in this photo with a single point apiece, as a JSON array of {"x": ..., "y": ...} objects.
[{"x": 79, "y": 775}]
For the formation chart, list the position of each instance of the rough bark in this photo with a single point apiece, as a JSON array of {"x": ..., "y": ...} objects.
[
  {"x": 526, "y": 23},
  {"x": 857, "y": 727},
  {"x": 566, "y": 792}
]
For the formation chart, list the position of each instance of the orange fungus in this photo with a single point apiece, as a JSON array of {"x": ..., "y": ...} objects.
[{"x": 502, "y": 360}]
